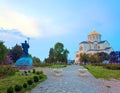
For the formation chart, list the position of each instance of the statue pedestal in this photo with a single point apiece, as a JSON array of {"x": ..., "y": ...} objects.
[{"x": 24, "y": 61}]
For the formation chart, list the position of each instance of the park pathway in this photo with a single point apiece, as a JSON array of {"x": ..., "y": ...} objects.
[{"x": 70, "y": 82}]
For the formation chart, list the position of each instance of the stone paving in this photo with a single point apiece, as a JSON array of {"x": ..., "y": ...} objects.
[{"x": 71, "y": 81}]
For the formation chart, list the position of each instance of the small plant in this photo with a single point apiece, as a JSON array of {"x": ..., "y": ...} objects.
[
  {"x": 10, "y": 90},
  {"x": 18, "y": 88},
  {"x": 25, "y": 85},
  {"x": 40, "y": 76},
  {"x": 29, "y": 71},
  {"x": 25, "y": 73},
  {"x": 39, "y": 72},
  {"x": 30, "y": 82},
  {"x": 34, "y": 71},
  {"x": 36, "y": 79},
  {"x": 108, "y": 86}
]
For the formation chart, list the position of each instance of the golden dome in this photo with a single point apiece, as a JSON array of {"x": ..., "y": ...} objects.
[{"x": 94, "y": 32}]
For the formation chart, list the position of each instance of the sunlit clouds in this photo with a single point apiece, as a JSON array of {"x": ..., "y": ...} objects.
[{"x": 10, "y": 19}]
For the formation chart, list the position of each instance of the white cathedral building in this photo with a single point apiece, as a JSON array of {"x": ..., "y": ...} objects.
[{"x": 93, "y": 45}]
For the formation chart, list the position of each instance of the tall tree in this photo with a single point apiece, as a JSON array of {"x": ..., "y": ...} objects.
[
  {"x": 16, "y": 52},
  {"x": 58, "y": 51},
  {"x": 3, "y": 52},
  {"x": 65, "y": 55},
  {"x": 36, "y": 61},
  {"x": 51, "y": 56},
  {"x": 60, "y": 54}
]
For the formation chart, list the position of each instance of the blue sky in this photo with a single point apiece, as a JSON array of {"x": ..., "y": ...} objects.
[{"x": 49, "y": 21}]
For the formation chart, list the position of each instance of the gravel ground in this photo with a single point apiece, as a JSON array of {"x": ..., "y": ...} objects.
[
  {"x": 113, "y": 85},
  {"x": 70, "y": 81}
]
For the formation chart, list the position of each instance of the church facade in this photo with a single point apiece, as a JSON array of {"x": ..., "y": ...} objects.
[{"x": 93, "y": 45}]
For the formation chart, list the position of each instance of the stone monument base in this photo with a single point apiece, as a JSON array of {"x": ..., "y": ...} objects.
[{"x": 24, "y": 61}]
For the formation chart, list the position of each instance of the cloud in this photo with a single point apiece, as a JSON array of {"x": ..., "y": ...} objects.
[
  {"x": 10, "y": 19},
  {"x": 14, "y": 21},
  {"x": 10, "y": 36}
]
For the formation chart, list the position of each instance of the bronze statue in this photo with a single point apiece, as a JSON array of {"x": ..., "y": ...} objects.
[{"x": 25, "y": 47}]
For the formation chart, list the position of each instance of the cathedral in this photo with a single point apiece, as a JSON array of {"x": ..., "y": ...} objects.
[{"x": 93, "y": 45}]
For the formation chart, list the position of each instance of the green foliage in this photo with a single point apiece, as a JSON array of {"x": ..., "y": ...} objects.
[
  {"x": 94, "y": 59},
  {"x": 30, "y": 82},
  {"x": 3, "y": 52},
  {"x": 34, "y": 70},
  {"x": 16, "y": 52},
  {"x": 10, "y": 90},
  {"x": 84, "y": 58},
  {"x": 112, "y": 66},
  {"x": 101, "y": 72},
  {"x": 51, "y": 58},
  {"x": 36, "y": 61},
  {"x": 39, "y": 72},
  {"x": 60, "y": 54},
  {"x": 7, "y": 71},
  {"x": 41, "y": 76},
  {"x": 44, "y": 65},
  {"x": 103, "y": 56},
  {"x": 58, "y": 66},
  {"x": 25, "y": 85},
  {"x": 18, "y": 79},
  {"x": 18, "y": 88},
  {"x": 35, "y": 78},
  {"x": 29, "y": 71}
]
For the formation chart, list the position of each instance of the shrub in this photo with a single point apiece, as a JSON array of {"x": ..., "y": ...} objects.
[
  {"x": 10, "y": 90},
  {"x": 112, "y": 66},
  {"x": 36, "y": 79},
  {"x": 25, "y": 85},
  {"x": 39, "y": 72},
  {"x": 41, "y": 76},
  {"x": 18, "y": 88},
  {"x": 33, "y": 70},
  {"x": 7, "y": 71},
  {"x": 30, "y": 82},
  {"x": 44, "y": 65},
  {"x": 29, "y": 71}
]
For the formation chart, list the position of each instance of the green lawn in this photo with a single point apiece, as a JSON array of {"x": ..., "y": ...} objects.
[
  {"x": 57, "y": 66},
  {"x": 18, "y": 78},
  {"x": 100, "y": 72}
]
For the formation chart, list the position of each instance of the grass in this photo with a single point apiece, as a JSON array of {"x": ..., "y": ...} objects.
[
  {"x": 100, "y": 72},
  {"x": 52, "y": 65},
  {"x": 57, "y": 66},
  {"x": 19, "y": 79}
]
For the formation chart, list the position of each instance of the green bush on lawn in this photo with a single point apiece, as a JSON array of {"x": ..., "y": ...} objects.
[{"x": 112, "y": 66}]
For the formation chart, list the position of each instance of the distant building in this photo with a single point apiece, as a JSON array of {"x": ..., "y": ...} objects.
[{"x": 93, "y": 45}]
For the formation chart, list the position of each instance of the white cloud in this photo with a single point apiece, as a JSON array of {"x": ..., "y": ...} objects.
[
  {"x": 10, "y": 19},
  {"x": 32, "y": 27}
]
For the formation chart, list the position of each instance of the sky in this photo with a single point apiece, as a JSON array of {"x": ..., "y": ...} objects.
[{"x": 47, "y": 22}]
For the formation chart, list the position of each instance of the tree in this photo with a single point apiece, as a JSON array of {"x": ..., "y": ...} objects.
[
  {"x": 16, "y": 52},
  {"x": 51, "y": 56},
  {"x": 3, "y": 52},
  {"x": 94, "y": 59},
  {"x": 36, "y": 61},
  {"x": 65, "y": 55},
  {"x": 84, "y": 58},
  {"x": 58, "y": 51},
  {"x": 60, "y": 54},
  {"x": 103, "y": 56},
  {"x": 51, "y": 52}
]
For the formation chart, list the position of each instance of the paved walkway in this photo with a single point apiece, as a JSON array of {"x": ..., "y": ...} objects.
[{"x": 70, "y": 82}]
